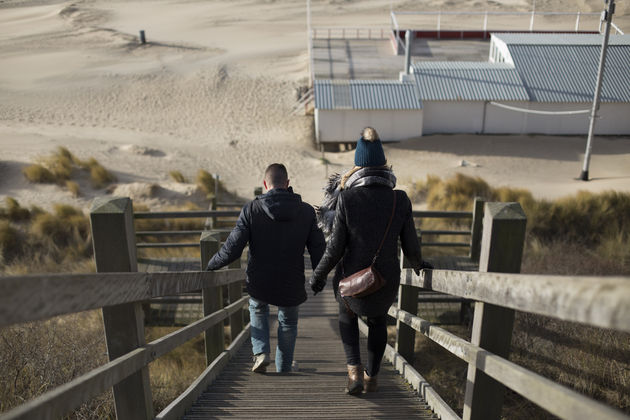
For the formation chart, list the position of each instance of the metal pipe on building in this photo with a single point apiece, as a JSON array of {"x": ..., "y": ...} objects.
[
  {"x": 407, "y": 51},
  {"x": 607, "y": 15}
]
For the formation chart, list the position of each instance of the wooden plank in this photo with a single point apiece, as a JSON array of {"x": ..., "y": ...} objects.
[
  {"x": 168, "y": 233},
  {"x": 114, "y": 251},
  {"x": 316, "y": 390},
  {"x": 598, "y": 301},
  {"x": 175, "y": 339},
  {"x": 177, "y": 408},
  {"x": 476, "y": 229},
  {"x": 235, "y": 291},
  {"x": 501, "y": 251},
  {"x": 186, "y": 214},
  {"x": 446, "y": 244},
  {"x": 555, "y": 398},
  {"x": 445, "y": 232},
  {"x": 59, "y": 294},
  {"x": 405, "y": 335},
  {"x": 167, "y": 244},
  {"x": 442, "y": 214},
  {"x": 67, "y": 397},
  {"x": 212, "y": 300}
]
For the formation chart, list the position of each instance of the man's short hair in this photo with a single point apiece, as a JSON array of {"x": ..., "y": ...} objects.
[{"x": 276, "y": 175}]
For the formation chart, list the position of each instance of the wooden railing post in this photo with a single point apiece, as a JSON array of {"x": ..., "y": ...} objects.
[
  {"x": 212, "y": 300},
  {"x": 407, "y": 301},
  {"x": 113, "y": 237},
  {"x": 501, "y": 251},
  {"x": 476, "y": 229},
  {"x": 235, "y": 292}
]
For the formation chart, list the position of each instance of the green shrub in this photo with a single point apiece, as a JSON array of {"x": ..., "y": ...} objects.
[
  {"x": 10, "y": 242},
  {"x": 87, "y": 164},
  {"x": 67, "y": 228},
  {"x": 596, "y": 219},
  {"x": 205, "y": 182},
  {"x": 453, "y": 194},
  {"x": 14, "y": 212},
  {"x": 99, "y": 176},
  {"x": 61, "y": 166},
  {"x": 178, "y": 177},
  {"x": 65, "y": 154},
  {"x": 73, "y": 187},
  {"x": 585, "y": 218},
  {"x": 39, "y": 174}
]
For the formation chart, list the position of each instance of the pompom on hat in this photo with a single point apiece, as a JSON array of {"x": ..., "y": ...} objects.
[{"x": 369, "y": 150}]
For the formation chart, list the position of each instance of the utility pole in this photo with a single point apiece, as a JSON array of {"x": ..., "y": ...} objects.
[
  {"x": 309, "y": 41},
  {"x": 607, "y": 15}
]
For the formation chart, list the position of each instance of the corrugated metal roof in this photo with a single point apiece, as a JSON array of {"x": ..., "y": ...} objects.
[
  {"x": 365, "y": 94},
  {"x": 567, "y": 73},
  {"x": 468, "y": 81},
  {"x": 560, "y": 39}
]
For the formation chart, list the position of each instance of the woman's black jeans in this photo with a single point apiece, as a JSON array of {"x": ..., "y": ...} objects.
[{"x": 377, "y": 339}]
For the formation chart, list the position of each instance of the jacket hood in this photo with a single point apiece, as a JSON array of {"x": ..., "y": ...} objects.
[{"x": 281, "y": 205}]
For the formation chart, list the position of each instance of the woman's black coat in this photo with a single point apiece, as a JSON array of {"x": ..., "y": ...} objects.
[{"x": 360, "y": 221}]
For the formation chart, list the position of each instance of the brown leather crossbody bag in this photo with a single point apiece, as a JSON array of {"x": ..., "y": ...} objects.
[{"x": 369, "y": 280}]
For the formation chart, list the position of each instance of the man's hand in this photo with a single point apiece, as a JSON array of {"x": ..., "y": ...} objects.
[
  {"x": 317, "y": 285},
  {"x": 424, "y": 265}
]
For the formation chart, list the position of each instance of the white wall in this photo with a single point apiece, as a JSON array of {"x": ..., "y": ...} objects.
[
  {"x": 346, "y": 125},
  {"x": 615, "y": 119},
  {"x": 468, "y": 117},
  {"x": 503, "y": 121},
  {"x": 452, "y": 117}
]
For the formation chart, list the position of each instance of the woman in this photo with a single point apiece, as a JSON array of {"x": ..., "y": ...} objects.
[{"x": 355, "y": 215}]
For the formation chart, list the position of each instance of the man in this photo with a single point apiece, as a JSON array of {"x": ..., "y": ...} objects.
[{"x": 277, "y": 226}]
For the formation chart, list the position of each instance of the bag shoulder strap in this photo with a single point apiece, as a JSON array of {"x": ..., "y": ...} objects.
[{"x": 389, "y": 224}]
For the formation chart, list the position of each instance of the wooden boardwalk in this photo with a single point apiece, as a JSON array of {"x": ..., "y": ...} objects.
[{"x": 316, "y": 390}]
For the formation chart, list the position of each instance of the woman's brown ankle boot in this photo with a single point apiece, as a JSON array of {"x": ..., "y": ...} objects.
[
  {"x": 355, "y": 379},
  {"x": 371, "y": 384}
]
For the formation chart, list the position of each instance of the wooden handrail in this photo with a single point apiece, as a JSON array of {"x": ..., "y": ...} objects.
[
  {"x": 185, "y": 214},
  {"x": 498, "y": 290},
  {"x": 557, "y": 399},
  {"x": 59, "y": 294},
  {"x": 68, "y": 397},
  {"x": 442, "y": 214},
  {"x": 598, "y": 301},
  {"x": 167, "y": 245}
]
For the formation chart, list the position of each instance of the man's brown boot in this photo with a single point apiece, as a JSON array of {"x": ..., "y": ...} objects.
[
  {"x": 355, "y": 379},
  {"x": 371, "y": 384}
]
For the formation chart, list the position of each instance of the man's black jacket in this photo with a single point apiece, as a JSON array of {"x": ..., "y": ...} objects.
[{"x": 277, "y": 226}]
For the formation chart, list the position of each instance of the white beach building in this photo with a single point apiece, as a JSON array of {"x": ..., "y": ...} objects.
[
  {"x": 344, "y": 107},
  {"x": 547, "y": 74}
]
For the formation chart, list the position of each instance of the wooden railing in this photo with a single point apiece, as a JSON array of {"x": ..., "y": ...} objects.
[
  {"x": 473, "y": 232},
  {"x": 210, "y": 215},
  {"x": 597, "y": 301},
  {"x": 120, "y": 292}
]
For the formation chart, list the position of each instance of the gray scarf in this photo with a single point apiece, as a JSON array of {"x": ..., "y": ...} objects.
[{"x": 370, "y": 175}]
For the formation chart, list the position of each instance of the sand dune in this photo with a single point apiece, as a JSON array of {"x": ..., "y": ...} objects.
[{"x": 214, "y": 89}]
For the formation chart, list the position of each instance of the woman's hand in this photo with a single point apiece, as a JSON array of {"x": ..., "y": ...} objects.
[
  {"x": 424, "y": 265},
  {"x": 317, "y": 285}
]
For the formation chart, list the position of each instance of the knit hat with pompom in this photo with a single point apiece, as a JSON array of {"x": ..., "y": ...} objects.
[{"x": 369, "y": 150}]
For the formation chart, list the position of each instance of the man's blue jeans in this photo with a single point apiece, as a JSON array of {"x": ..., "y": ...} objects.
[{"x": 287, "y": 332}]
